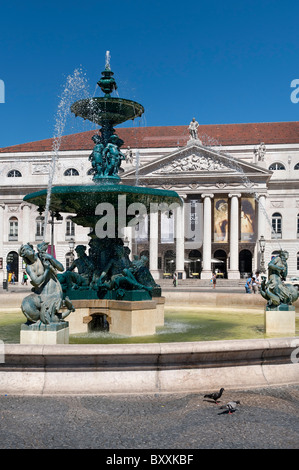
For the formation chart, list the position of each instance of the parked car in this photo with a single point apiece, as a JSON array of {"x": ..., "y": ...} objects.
[{"x": 294, "y": 281}]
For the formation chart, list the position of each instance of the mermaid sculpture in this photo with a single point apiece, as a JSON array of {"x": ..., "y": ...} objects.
[{"x": 275, "y": 291}]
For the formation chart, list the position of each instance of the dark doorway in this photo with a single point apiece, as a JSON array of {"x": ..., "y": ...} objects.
[
  {"x": 98, "y": 323},
  {"x": 12, "y": 263},
  {"x": 220, "y": 267},
  {"x": 194, "y": 266},
  {"x": 245, "y": 263},
  {"x": 169, "y": 262}
]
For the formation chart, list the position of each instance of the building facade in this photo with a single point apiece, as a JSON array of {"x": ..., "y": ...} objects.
[{"x": 238, "y": 182}]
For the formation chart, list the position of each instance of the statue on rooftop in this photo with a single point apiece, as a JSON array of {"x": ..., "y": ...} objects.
[{"x": 193, "y": 126}]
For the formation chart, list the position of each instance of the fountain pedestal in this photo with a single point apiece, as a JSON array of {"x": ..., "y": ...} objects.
[
  {"x": 280, "y": 320},
  {"x": 39, "y": 333},
  {"x": 129, "y": 318}
]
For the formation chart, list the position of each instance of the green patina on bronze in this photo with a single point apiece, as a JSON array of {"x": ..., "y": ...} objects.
[
  {"x": 276, "y": 291},
  {"x": 107, "y": 111},
  {"x": 106, "y": 272}
]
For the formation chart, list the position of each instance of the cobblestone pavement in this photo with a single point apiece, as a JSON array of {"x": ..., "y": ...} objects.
[{"x": 266, "y": 419}]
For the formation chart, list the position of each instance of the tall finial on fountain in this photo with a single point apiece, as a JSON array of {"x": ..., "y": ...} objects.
[
  {"x": 107, "y": 65},
  {"x": 107, "y": 82}
]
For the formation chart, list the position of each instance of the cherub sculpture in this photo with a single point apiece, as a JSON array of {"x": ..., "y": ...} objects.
[{"x": 46, "y": 300}]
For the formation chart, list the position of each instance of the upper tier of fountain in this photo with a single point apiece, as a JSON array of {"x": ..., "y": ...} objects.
[{"x": 107, "y": 109}]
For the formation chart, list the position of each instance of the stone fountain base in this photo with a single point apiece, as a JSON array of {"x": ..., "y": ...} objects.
[
  {"x": 280, "y": 320},
  {"x": 39, "y": 333},
  {"x": 129, "y": 318}
]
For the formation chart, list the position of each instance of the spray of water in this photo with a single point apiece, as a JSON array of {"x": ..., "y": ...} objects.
[
  {"x": 76, "y": 85},
  {"x": 137, "y": 168},
  {"x": 107, "y": 64}
]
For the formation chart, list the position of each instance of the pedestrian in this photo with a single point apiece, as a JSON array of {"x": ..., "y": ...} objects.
[
  {"x": 214, "y": 277},
  {"x": 248, "y": 285},
  {"x": 13, "y": 278},
  {"x": 25, "y": 278},
  {"x": 175, "y": 279},
  {"x": 256, "y": 283}
]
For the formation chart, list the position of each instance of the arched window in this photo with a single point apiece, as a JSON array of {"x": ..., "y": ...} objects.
[
  {"x": 14, "y": 174},
  {"x": 70, "y": 227},
  {"x": 276, "y": 225},
  {"x": 296, "y": 167},
  {"x": 71, "y": 172},
  {"x": 13, "y": 229},
  {"x": 90, "y": 171},
  {"x": 39, "y": 228},
  {"x": 276, "y": 166}
]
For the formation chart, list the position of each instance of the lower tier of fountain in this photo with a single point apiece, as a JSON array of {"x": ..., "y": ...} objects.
[{"x": 99, "y": 369}]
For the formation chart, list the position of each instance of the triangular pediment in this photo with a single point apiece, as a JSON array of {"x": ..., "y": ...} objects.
[{"x": 195, "y": 160}]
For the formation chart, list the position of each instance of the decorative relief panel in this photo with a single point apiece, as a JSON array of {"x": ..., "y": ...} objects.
[
  {"x": 12, "y": 209},
  {"x": 193, "y": 163},
  {"x": 40, "y": 168},
  {"x": 276, "y": 204}
]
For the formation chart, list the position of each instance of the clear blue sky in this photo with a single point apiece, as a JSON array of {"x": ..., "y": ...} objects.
[{"x": 219, "y": 61}]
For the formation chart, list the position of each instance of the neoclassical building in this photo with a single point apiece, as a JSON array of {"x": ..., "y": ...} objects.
[{"x": 239, "y": 183}]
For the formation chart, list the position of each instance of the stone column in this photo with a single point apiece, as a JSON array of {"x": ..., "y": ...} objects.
[
  {"x": 233, "y": 271},
  {"x": 2, "y": 271},
  {"x": 180, "y": 242},
  {"x": 27, "y": 223},
  {"x": 206, "y": 272},
  {"x": 262, "y": 229},
  {"x": 153, "y": 243},
  {"x": 261, "y": 216}
]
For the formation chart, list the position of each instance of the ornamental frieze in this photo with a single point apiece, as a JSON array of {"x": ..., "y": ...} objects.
[{"x": 193, "y": 163}]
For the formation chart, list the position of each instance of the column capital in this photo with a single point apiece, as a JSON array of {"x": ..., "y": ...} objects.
[
  {"x": 25, "y": 204},
  {"x": 235, "y": 194},
  {"x": 207, "y": 195}
]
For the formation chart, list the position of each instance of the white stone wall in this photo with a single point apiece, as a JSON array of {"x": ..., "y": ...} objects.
[{"x": 282, "y": 195}]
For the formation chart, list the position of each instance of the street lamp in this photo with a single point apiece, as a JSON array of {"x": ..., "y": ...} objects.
[
  {"x": 262, "y": 243},
  {"x": 58, "y": 217}
]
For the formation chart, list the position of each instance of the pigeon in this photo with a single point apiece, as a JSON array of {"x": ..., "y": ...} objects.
[
  {"x": 231, "y": 406},
  {"x": 215, "y": 396}
]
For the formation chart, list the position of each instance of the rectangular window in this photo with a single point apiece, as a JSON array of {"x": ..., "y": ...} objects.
[
  {"x": 13, "y": 230},
  {"x": 39, "y": 229},
  {"x": 70, "y": 228},
  {"x": 276, "y": 227}
]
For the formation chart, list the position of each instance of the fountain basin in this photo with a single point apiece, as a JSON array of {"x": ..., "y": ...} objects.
[
  {"x": 83, "y": 199},
  {"x": 107, "y": 109},
  {"x": 147, "y": 368}
]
